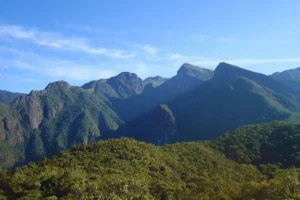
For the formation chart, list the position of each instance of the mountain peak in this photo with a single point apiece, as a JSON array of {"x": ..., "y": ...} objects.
[
  {"x": 126, "y": 84},
  {"x": 194, "y": 71},
  {"x": 226, "y": 71},
  {"x": 128, "y": 75},
  {"x": 225, "y": 65},
  {"x": 58, "y": 84},
  {"x": 187, "y": 67}
]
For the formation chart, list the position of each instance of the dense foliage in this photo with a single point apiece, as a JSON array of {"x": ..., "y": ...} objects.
[
  {"x": 270, "y": 145},
  {"x": 127, "y": 169}
]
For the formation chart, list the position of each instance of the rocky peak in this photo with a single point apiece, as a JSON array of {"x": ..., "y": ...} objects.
[
  {"x": 189, "y": 70},
  {"x": 225, "y": 71},
  {"x": 58, "y": 84},
  {"x": 126, "y": 84}
]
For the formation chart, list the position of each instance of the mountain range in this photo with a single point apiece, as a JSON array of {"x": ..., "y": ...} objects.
[{"x": 195, "y": 104}]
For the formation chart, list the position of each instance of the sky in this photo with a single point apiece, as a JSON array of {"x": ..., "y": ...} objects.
[{"x": 79, "y": 41}]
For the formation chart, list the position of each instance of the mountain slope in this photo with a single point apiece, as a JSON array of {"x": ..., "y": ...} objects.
[
  {"x": 274, "y": 143},
  {"x": 48, "y": 121},
  {"x": 233, "y": 97},
  {"x": 8, "y": 97},
  {"x": 290, "y": 78},
  {"x": 128, "y": 169},
  {"x": 187, "y": 78},
  {"x": 51, "y": 120},
  {"x": 155, "y": 127}
]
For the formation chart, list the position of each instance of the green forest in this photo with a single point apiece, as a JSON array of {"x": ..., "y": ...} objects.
[{"x": 248, "y": 163}]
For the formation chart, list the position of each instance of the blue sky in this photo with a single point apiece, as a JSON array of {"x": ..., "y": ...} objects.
[{"x": 79, "y": 41}]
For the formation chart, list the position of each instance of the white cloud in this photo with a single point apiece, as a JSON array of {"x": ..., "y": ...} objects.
[
  {"x": 65, "y": 70},
  {"x": 57, "y": 41},
  {"x": 149, "y": 49},
  {"x": 176, "y": 57}
]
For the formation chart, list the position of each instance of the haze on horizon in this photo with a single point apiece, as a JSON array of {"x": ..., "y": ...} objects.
[{"x": 75, "y": 41}]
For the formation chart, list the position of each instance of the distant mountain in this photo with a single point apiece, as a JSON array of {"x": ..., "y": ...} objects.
[
  {"x": 155, "y": 81},
  {"x": 44, "y": 122},
  {"x": 8, "y": 97},
  {"x": 187, "y": 78},
  {"x": 124, "y": 85},
  {"x": 233, "y": 97},
  {"x": 196, "y": 104},
  {"x": 290, "y": 78}
]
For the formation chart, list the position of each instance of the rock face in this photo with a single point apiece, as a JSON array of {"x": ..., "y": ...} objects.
[{"x": 10, "y": 131}]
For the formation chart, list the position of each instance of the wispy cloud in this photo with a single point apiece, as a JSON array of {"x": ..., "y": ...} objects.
[
  {"x": 242, "y": 62},
  {"x": 149, "y": 49},
  {"x": 58, "y": 41},
  {"x": 65, "y": 70},
  {"x": 176, "y": 57},
  {"x": 202, "y": 61},
  {"x": 54, "y": 68}
]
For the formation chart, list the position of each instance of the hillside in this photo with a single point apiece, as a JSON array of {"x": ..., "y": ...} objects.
[
  {"x": 275, "y": 143},
  {"x": 156, "y": 127},
  {"x": 290, "y": 78},
  {"x": 127, "y": 169},
  {"x": 8, "y": 97}
]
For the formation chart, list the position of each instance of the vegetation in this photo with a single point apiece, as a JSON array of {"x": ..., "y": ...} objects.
[
  {"x": 127, "y": 169},
  {"x": 196, "y": 104},
  {"x": 268, "y": 146},
  {"x": 8, "y": 97}
]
